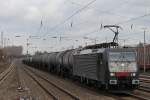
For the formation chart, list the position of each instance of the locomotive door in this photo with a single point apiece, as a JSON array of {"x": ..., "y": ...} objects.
[{"x": 100, "y": 67}]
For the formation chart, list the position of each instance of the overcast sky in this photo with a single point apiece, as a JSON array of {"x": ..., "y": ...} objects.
[{"x": 45, "y": 19}]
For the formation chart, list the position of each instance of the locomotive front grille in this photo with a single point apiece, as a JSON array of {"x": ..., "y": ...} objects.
[
  {"x": 125, "y": 80},
  {"x": 113, "y": 82}
]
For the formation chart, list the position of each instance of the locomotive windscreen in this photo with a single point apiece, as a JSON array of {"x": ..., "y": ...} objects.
[{"x": 122, "y": 62}]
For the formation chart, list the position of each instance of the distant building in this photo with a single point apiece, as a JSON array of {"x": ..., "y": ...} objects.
[
  {"x": 13, "y": 50},
  {"x": 3, "y": 56}
]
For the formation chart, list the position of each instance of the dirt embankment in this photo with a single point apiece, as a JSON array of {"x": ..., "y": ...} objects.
[{"x": 4, "y": 66}]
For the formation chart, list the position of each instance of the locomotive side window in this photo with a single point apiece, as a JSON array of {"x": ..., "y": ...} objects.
[{"x": 122, "y": 62}]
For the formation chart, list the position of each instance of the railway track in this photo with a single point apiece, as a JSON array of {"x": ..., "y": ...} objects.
[
  {"x": 143, "y": 89},
  {"x": 116, "y": 97},
  {"x": 82, "y": 86},
  {"x": 127, "y": 96},
  {"x": 144, "y": 83},
  {"x": 145, "y": 78},
  {"x": 144, "y": 75},
  {"x": 137, "y": 96},
  {"x": 56, "y": 92},
  {"x": 123, "y": 96},
  {"x": 6, "y": 73}
]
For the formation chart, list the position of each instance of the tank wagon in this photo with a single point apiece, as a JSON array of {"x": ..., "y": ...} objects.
[{"x": 110, "y": 68}]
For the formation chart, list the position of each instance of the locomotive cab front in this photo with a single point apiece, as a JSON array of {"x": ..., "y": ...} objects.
[{"x": 123, "y": 70}]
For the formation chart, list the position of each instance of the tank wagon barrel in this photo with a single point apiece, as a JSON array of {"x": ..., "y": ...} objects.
[
  {"x": 68, "y": 59},
  {"x": 52, "y": 58}
]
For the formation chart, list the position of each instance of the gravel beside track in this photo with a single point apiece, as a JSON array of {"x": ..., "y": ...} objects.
[
  {"x": 6, "y": 73},
  {"x": 53, "y": 90},
  {"x": 20, "y": 88},
  {"x": 4, "y": 66},
  {"x": 8, "y": 84},
  {"x": 30, "y": 86}
]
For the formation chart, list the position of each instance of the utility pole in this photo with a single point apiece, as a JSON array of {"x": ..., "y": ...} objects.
[
  {"x": 144, "y": 50},
  {"x": 27, "y": 46},
  {"x": 2, "y": 39},
  {"x": 5, "y": 42},
  {"x": 106, "y": 39},
  {"x": 124, "y": 42},
  {"x": 95, "y": 40},
  {"x": 85, "y": 43}
]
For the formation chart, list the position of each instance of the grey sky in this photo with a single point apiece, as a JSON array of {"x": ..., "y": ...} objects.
[{"x": 23, "y": 17}]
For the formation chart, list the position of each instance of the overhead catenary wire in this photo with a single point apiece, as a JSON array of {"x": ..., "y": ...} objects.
[
  {"x": 123, "y": 22},
  {"x": 83, "y": 7},
  {"x": 97, "y": 30},
  {"x": 103, "y": 11},
  {"x": 134, "y": 18},
  {"x": 78, "y": 11}
]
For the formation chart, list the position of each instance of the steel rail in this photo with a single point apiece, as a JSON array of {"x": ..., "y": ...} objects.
[
  {"x": 48, "y": 92},
  {"x": 6, "y": 73},
  {"x": 137, "y": 96},
  {"x": 59, "y": 88}
]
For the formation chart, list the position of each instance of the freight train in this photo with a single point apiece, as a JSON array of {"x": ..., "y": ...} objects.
[{"x": 109, "y": 68}]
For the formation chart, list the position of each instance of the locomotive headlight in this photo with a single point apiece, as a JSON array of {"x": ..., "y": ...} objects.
[
  {"x": 122, "y": 64},
  {"x": 133, "y": 74},
  {"x": 112, "y": 74}
]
